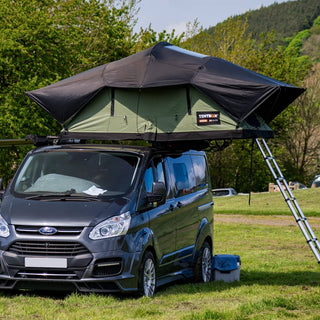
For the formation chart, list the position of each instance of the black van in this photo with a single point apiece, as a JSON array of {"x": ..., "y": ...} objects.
[{"x": 100, "y": 218}]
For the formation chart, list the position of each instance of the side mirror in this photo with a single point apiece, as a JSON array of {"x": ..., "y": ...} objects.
[{"x": 158, "y": 194}]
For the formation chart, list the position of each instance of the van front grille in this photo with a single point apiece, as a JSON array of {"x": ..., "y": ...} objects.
[
  {"x": 47, "y": 274},
  {"x": 61, "y": 231},
  {"x": 48, "y": 248}
]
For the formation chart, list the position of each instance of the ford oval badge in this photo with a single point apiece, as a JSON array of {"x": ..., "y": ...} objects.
[{"x": 48, "y": 231}]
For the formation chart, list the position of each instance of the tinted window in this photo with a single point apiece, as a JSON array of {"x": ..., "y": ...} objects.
[
  {"x": 148, "y": 180},
  {"x": 219, "y": 193},
  {"x": 200, "y": 171},
  {"x": 183, "y": 174},
  {"x": 159, "y": 170},
  {"x": 154, "y": 173}
]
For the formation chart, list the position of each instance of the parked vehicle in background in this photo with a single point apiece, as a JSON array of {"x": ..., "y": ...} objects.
[
  {"x": 224, "y": 192},
  {"x": 316, "y": 182},
  {"x": 100, "y": 218},
  {"x": 297, "y": 185},
  {"x": 293, "y": 185}
]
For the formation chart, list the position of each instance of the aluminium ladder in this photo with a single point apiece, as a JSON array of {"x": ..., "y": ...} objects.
[{"x": 289, "y": 198}]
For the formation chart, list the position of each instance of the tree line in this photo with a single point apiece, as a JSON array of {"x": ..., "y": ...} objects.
[
  {"x": 286, "y": 18},
  {"x": 42, "y": 42}
]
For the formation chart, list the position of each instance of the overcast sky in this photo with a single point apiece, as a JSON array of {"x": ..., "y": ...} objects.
[{"x": 175, "y": 14}]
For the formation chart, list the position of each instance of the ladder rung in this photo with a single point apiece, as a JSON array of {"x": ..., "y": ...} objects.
[
  {"x": 290, "y": 199},
  {"x": 301, "y": 219},
  {"x": 312, "y": 240}
]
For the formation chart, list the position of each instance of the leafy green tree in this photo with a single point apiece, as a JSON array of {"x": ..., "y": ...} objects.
[
  {"x": 148, "y": 37},
  {"x": 311, "y": 47},
  {"x": 230, "y": 41},
  {"x": 44, "y": 41},
  {"x": 301, "y": 137}
]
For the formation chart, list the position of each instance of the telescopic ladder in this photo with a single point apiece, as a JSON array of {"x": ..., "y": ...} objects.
[{"x": 289, "y": 198}]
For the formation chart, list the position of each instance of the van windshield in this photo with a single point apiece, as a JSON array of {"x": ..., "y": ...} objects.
[{"x": 74, "y": 172}]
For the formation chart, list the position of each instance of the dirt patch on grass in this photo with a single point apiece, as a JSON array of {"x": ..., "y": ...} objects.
[{"x": 263, "y": 220}]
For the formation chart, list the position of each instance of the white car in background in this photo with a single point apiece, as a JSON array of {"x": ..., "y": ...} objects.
[
  {"x": 224, "y": 192},
  {"x": 316, "y": 182}
]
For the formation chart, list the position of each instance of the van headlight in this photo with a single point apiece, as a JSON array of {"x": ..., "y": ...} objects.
[
  {"x": 4, "y": 229},
  {"x": 112, "y": 227}
]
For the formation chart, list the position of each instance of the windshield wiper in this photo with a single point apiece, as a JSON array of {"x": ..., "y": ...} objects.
[{"x": 61, "y": 196}]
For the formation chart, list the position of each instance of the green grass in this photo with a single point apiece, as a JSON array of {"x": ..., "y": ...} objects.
[
  {"x": 279, "y": 279},
  {"x": 269, "y": 203}
]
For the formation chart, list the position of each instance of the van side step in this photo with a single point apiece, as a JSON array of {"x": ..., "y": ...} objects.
[{"x": 289, "y": 198}]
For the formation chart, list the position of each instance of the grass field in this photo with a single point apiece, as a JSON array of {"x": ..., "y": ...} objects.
[
  {"x": 269, "y": 203},
  {"x": 279, "y": 279}
]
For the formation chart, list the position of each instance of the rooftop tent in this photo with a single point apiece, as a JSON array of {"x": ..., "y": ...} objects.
[
  {"x": 166, "y": 93},
  {"x": 159, "y": 114}
]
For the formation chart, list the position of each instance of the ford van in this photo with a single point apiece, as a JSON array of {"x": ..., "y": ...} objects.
[{"x": 106, "y": 218}]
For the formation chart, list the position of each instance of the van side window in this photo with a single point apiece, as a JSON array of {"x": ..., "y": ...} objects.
[
  {"x": 146, "y": 188},
  {"x": 185, "y": 180},
  {"x": 200, "y": 171},
  {"x": 181, "y": 175},
  {"x": 159, "y": 170},
  {"x": 148, "y": 179},
  {"x": 154, "y": 173}
]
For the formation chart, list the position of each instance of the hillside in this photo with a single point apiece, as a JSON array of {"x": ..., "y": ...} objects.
[
  {"x": 285, "y": 19},
  {"x": 311, "y": 46}
]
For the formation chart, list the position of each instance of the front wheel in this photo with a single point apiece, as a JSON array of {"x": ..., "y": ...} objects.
[
  {"x": 147, "y": 275},
  {"x": 203, "y": 267}
]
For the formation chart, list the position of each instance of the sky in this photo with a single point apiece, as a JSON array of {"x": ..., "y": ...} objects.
[{"x": 175, "y": 14}]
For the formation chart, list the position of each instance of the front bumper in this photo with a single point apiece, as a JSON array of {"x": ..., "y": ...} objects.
[{"x": 102, "y": 271}]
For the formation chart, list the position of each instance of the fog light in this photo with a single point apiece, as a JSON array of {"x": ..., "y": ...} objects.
[{"x": 107, "y": 267}]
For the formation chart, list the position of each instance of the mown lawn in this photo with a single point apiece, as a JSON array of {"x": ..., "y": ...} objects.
[
  {"x": 269, "y": 203},
  {"x": 280, "y": 279}
]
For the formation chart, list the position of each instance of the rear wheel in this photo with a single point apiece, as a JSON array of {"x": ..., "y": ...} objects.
[
  {"x": 147, "y": 275},
  {"x": 203, "y": 267}
]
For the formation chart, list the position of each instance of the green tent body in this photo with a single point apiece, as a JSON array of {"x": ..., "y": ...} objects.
[{"x": 159, "y": 114}]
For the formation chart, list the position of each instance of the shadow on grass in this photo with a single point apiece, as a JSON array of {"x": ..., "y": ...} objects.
[
  {"x": 291, "y": 278},
  {"x": 247, "y": 278}
]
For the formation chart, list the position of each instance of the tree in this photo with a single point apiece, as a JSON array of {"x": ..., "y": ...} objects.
[
  {"x": 301, "y": 138},
  {"x": 230, "y": 41},
  {"x": 148, "y": 37},
  {"x": 44, "y": 41},
  {"x": 311, "y": 46}
]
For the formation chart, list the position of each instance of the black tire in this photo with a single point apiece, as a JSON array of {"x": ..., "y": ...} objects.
[
  {"x": 147, "y": 275},
  {"x": 203, "y": 267}
]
